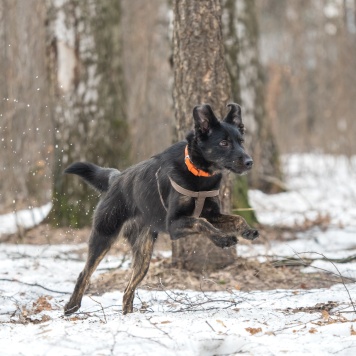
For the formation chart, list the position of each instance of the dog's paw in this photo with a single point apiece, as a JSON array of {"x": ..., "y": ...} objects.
[
  {"x": 127, "y": 309},
  {"x": 250, "y": 234},
  {"x": 225, "y": 241},
  {"x": 70, "y": 309}
]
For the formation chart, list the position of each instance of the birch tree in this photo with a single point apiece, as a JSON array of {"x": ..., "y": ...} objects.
[
  {"x": 84, "y": 50},
  {"x": 25, "y": 147},
  {"x": 243, "y": 60}
]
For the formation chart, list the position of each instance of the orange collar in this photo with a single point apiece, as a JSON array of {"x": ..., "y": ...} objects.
[{"x": 192, "y": 169}]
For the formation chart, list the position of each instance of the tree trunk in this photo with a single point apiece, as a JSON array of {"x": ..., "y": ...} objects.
[
  {"x": 240, "y": 204},
  {"x": 25, "y": 148},
  {"x": 88, "y": 99},
  {"x": 148, "y": 76},
  {"x": 243, "y": 61},
  {"x": 200, "y": 76}
]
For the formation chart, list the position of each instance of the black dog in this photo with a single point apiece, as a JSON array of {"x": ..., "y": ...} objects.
[{"x": 175, "y": 192}]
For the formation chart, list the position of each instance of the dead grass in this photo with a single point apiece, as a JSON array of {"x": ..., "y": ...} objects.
[
  {"x": 244, "y": 274},
  {"x": 46, "y": 234}
]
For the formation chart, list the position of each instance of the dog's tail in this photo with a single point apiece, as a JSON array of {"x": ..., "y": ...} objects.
[{"x": 98, "y": 177}]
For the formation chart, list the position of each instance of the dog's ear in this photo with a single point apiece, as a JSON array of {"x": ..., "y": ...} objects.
[
  {"x": 234, "y": 117},
  {"x": 204, "y": 119}
]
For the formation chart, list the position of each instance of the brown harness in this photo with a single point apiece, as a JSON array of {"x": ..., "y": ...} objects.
[{"x": 200, "y": 196}]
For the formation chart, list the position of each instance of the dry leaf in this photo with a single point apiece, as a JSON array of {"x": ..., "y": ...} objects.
[
  {"x": 24, "y": 312},
  {"x": 42, "y": 304},
  {"x": 325, "y": 315},
  {"x": 74, "y": 318},
  {"x": 313, "y": 331},
  {"x": 45, "y": 318},
  {"x": 165, "y": 322},
  {"x": 353, "y": 332},
  {"x": 221, "y": 322},
  {"x": 253, "y": 331},
  {"x": 270, "y": 333}
]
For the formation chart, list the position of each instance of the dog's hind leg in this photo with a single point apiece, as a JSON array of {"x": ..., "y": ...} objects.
[
  {"x": 99, "y": 245},
  {"x": 142, "y": 252},
  {"x": 108, "y": 221}
]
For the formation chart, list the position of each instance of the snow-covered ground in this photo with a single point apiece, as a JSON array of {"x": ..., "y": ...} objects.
[
  {"x": 35, "y": 282},
  {"x": 9, "y": 223}
]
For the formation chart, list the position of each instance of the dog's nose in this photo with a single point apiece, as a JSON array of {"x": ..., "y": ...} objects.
[{"x": 248, "y": 163}]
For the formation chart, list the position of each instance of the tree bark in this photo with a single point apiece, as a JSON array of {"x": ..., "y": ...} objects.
[
  {"x": 148, "y": 75},
  {"x": 84, "y": 50},
  {"x": 239, "y": 199},
  {"x": 25, "y": 150},
  {"x": 243, "y": 61},
  {"x": 200, "y": 76}
]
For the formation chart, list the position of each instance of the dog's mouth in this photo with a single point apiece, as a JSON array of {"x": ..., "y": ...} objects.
[{"x": 238, "y": 170}]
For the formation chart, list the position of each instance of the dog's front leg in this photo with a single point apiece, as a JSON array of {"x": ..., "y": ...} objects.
[
  {"x": 190, "y": 226},
  {"x": 233, "y": 224}
]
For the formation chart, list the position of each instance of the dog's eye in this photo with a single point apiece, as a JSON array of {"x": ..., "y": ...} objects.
[
  {"x": 242, "y": 141},
  {"x": 224, "y": 143}
]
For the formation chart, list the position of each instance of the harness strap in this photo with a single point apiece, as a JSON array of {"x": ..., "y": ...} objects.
[
  {"x": 159, "y": 189},
  {"x": 200, "y": 196}
]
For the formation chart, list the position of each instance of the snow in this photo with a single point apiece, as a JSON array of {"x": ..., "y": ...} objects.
[
  {"x": 320, "y": 185},
  {"x": 331, "y": 244},
  {"x": 36, "y": 281},
  {"x": 9, "y": 223}
]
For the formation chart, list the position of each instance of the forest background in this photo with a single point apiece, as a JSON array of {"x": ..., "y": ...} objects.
[
  {"x": 114, "y": 82},
  {"x": 97, "y": 82}
]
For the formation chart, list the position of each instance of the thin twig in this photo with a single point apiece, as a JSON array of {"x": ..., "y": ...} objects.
[
  {"x": 102, "y": 309},
  {"x": 123, "y": 260},
  {"x": 155, "y": 326},
  {"x": 341, "y": 276},
  {"x": 33, "y": 285},
  {"x": 192, "y": 306},
  {"x": 210, "y": 326}
]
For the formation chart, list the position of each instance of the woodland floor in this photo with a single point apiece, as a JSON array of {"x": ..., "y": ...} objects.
[
  {"x": 291, "y": 291},
  {"x": 245, "y": 274}
]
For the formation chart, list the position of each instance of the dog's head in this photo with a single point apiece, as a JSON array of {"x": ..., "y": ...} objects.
[{"x": 221, "y": 142}]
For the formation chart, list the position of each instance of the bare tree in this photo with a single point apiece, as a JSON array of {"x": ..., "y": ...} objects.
[
  {"x": 148, "y": 75},
  {"x": 309, "y": 52},
  {"x": 200, "y": 76},
  {"x": 85, "y": 56},
  {"x": 243, "y": 61},
  {"x": 232, "y": 49},
  {"x": 25, "y": 139}
]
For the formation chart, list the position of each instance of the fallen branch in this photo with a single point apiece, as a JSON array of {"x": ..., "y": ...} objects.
[{"x": 292, "y": 261}]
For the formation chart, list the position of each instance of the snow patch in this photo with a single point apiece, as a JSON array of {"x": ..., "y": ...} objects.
[{"x": 9, "y": 223}]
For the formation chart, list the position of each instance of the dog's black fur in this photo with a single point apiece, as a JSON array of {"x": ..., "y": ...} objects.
[{"x": 131, "y": 200}]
